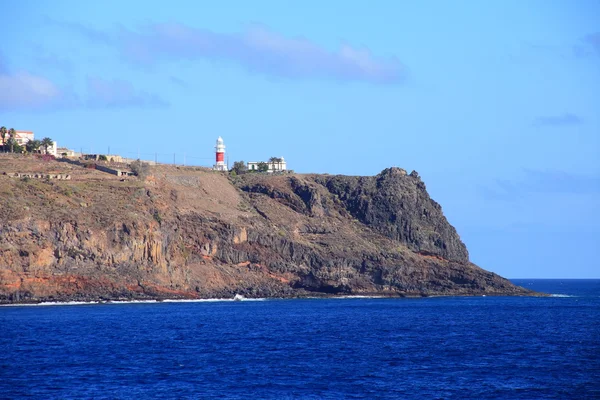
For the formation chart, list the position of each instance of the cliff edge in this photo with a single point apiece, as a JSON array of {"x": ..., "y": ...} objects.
[{"x": 193, "y": 233}]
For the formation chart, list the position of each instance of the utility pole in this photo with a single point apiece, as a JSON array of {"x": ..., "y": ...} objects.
[
  {"x": 184, "y": 159},
  {"x": 173, "y": 158},
  {"x": 109, "y": 150}
]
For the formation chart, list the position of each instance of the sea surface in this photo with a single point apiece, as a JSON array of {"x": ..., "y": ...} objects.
[{"x": 427, "y": 348}]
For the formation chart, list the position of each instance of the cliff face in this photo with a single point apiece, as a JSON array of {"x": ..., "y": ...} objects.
[
  {"x": 188, "y": 233},
  {"x": 398, "y": 206}
]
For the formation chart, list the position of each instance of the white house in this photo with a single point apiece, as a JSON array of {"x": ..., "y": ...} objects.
[
  {"x": 22, "y": 137},
  {"x": 275, "y": 165},
  {"x": 53, "y": 149},
  {"x": 64, "y": 151}
]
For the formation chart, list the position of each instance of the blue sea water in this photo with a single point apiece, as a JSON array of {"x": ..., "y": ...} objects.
[{"x": 444, "y": 348}]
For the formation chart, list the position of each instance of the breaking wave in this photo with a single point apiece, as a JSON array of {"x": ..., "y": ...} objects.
[{"x": 208, "y": 300}]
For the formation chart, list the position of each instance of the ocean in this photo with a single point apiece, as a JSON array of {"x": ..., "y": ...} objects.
[{"x": 374, "y": 348}]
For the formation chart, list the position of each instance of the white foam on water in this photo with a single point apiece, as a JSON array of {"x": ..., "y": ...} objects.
[
  {"x": 80, "y": 303},
  {"x": 130, "y": 301},
  {"x": 194, "y": 300},
  {"x": 209, "y": 300},
  {"x": 561, "y": 295},
  {"x": 53, "y": 303}
]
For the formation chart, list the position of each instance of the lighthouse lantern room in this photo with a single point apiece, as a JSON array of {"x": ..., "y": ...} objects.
[{"x": 220, "y": 156}]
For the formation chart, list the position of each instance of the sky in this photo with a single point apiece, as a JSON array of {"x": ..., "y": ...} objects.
[{"x": 496, "y": 104}]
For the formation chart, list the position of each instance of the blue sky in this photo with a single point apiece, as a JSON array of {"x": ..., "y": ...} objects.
[{"x": 495, "y": 104}]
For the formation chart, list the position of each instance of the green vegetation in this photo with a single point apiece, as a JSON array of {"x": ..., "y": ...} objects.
[
  {"x": 33, "y": 146},
  {"x": 157, "y": 217},
  {"x": 12, "y": 139},
  {"x": 102, "y": 157},
  {"x": 3, "y": 132},
  {"x": 262, "y": 166},
  {"x": 239, "y": 167},
  {"x": 140, "y": 169},
  {"x": 47, "y": 142},
  {"x": 275, "y": 160},
  {"x": 8, "y": 142},
  {"x": 15, "y": 147}
]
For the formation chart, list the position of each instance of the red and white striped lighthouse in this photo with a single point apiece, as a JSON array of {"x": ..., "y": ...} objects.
[{"x": 220, "y": 156}]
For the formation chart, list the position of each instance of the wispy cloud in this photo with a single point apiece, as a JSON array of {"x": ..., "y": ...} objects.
[
  {"x": 584, "y": 48},
  {"x": 87, "y": 32},
  {"x": 25, "y": 91},
  {"x": 256, "y": 49},
  {"x": 593, "y": 40},
  {"x": 547, "y": 181},
  {"x": 541, "y": 182},
  {"x": 3, "y": 68},
  {"x": 119, "y": 94},
  {"x": 53, "y": 62},
  {"x": 587, "y": 46},
  {"x": 566, "y": 119},
  {"x": 179, "y": 82}
]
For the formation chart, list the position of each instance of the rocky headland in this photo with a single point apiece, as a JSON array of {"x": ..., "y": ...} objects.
[{"x": 188, "y": 233}]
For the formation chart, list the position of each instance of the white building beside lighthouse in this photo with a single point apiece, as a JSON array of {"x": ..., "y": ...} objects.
[
  {"x": 220, "y": 156},
  {"x": 275, "y": 164}
]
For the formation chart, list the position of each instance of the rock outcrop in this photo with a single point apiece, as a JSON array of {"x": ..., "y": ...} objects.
[
  {"x": 186, "y": 233},
  {"x": 398, "y": 206}
]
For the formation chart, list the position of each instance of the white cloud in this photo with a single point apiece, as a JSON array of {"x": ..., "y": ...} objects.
[
  {"x": 256, "y": 49},
  {"x": 23, "y": 90},
  {"x": 566, "y": 119},
  {"x": 118, "y": 93}
]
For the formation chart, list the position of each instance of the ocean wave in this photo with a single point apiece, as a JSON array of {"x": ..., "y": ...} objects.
[
  {"x": 208, "y": 300},
  {"x": 561, "y": 295},
  {"x": 194, "y": 300}
]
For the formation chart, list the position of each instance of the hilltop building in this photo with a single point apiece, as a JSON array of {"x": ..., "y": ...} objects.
[
  {"x": 22, "y": 137},
  {"x": 220, "y": 156},
  {"x": 66, "y": 152},
  {"x": 53, "y": 149},
  {"x": 275, "y": 165}
]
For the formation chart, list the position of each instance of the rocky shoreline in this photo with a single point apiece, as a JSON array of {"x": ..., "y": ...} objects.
[
  {"x": 296, "y": 296},
  {"x": 185, "y": 233}
]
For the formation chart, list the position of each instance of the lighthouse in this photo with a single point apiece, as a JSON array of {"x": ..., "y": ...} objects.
[{"x": 220, "y": 156}]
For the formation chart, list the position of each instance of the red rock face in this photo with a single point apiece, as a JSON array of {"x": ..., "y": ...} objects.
[{"x": 190, "y": 233}]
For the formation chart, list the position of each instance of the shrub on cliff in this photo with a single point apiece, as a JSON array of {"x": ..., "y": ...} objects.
[
  {"x": 239, "y": 167},
  {"x": 262, "y": 166},
  {"x": 140, "y": 169}
]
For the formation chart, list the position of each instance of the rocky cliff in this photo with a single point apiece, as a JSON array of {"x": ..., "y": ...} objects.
[{"x": 193, "y": 233}]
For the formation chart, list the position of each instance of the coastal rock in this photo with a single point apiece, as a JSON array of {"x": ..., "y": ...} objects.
[
  {"x": 195, "y": 233},
  {"x": 399, "y": 207}
]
